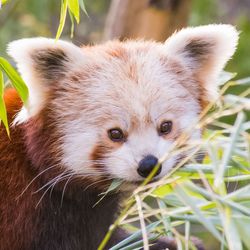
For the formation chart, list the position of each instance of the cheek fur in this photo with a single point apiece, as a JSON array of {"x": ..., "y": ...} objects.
[
  {"x": 77, "y": 147},
  {"x": 122, "y": 164}
]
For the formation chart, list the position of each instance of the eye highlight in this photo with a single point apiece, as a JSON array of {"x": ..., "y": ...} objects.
[
  {"x": 116, "y": 135},
  {"x": 165, "y": 128}
]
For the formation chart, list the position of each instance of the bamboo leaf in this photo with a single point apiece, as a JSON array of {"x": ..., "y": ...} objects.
[
  {"x": 114, "y": 184},
  {"x": 243, "y": 228},
  {"x": 72, "y": 25},
  {"x": 190, "y": 202},
  {"x": 83, "y": 7},
  {"x": 2, "y": 2},
  {"x": 15, "y": 79},
  {"x": 218, "y": 182},
  {"x": 64, "y": 6},
  {"x": 231, "y": 233},
  {"x": 163, "y": 191},
  {"x": 245, "y": 81},
  {"x": 3, "y": 113},
  {"x": 225, "y": 77},
  {"x": 165, "y": 218},
  {"x": 73, "y": 6},
  {"x": 135, "y": 236},
  {"x": 138, "y": 244}
]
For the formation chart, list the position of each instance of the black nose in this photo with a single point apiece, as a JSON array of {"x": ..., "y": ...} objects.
[{"x": 146, "y": 165}]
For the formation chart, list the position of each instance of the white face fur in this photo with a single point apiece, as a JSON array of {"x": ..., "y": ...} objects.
[{"x": 133, "y": 86}]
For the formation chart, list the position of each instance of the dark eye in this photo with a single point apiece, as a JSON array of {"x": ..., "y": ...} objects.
[
  {"x": 165, "y": 127},
  {"x": 116, "y": 135}
]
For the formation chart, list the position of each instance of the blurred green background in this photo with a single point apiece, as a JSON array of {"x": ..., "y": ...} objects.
[{"x": 28, "y": 18}]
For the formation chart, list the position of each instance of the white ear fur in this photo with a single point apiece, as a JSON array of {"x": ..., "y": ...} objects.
[
  {"x": 30, "y": 56},
  {"x": 204, "y": 51}
]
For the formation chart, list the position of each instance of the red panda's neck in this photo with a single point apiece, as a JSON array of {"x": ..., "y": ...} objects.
[{"x": 76, "y": 220}]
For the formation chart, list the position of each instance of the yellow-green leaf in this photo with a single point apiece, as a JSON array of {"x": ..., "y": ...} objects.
[
  {"x": 72, "y": 24},
  {"x": 2, "y": 2},
  {"x": 64, "y": 5},
  {"x": 162, "y": 191},
  {"x": 74, "y": 9},
  {"x": 3, "y": 113},
  {"x": 15, "y": 79},
  {"x": 82, "y": 5}
]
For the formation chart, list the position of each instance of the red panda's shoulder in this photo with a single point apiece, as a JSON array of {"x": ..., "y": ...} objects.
[
  {"x": 13, "y": 102},
  {"x": 13, "y": 105}
]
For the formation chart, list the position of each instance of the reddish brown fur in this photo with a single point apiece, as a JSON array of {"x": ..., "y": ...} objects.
[
  {"x": 14, "y": 177},
  {"x": 26, "y": 220}
]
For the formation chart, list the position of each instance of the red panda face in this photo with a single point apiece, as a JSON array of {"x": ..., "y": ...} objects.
[
  {"x": 117, "y": 119},
  {"x": 119, "y": 107},
  {"x": 119, "y": 116}
]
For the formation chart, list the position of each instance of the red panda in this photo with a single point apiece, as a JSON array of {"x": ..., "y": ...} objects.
[{"x": 95, "y": 114}]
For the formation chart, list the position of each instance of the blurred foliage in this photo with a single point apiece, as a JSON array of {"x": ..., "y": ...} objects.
[
  {"x": 213, "y": 194},
  {"x": 211, "y": 11},
  {"x": 29, "y": 18},
  {"x": 236, "y": 13}
]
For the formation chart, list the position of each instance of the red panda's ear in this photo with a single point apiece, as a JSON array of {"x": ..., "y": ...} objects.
[
  {"x": 42, "y": 63},
  {"x": 204, "y": 51}
]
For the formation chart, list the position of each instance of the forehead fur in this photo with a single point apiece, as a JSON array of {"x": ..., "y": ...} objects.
[
  {"x": 132, "y": 79},
  {"x": 189, "y": 61}
]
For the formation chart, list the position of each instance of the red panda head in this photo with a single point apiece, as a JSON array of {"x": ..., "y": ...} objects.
[{"x": 118, "y": 107}]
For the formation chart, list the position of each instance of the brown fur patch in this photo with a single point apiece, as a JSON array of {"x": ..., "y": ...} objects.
[
  {"x": 97, "y": 155},
  {"x": 100, "y": 150}
]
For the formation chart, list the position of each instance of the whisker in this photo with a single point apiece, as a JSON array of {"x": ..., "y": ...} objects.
[
  {"x": 48, "y": 183},
  {"x": 96, "y": 182},
  {"x": 64, "y": 188},
  {"x": 57, "y": 181},
  {"x": 34, "y": 180},
  {"x": 53, "y": 184}
]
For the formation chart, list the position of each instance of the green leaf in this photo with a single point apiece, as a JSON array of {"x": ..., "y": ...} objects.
[
  {"x": 242, "y": 163},
  {"x": 220, "y": 171},
  {"x": 230, "y": 230},
  {"x": 135, "y": 236},
  {"x": 72, "y": 25},
  {"x": 165, "y": 218},
  {"x": 243, "y": 228},
  {"x": 82, "y": 5},
  {"x": 74, "y": 9},
  {"x": 139, "y": 244},
  {"x": 3, "y": 113},
  {"x": 162, "y": 191},
  {"x": 245, "y": 81},
  {"x": 115, "y": 184},
  {"x": 64, "y": 5},
  {"x": 15, "y": 79},
  {"x": 2, "y": 2},
  {"x": 191, "y": 203},
  {"x": 225, "y": 77}
]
